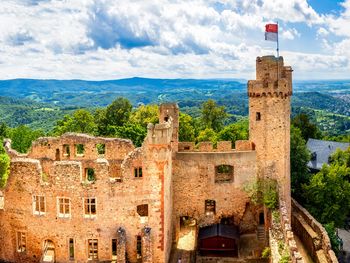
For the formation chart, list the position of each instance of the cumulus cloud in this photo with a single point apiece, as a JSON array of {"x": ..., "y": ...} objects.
[{"x": 103, "y": 39}]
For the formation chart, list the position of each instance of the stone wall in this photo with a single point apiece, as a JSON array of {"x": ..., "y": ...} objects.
[
  {"x": 312, "y": 234},
  {"x": 194, "y": 182},
  {"x": 117, "y": 191}
]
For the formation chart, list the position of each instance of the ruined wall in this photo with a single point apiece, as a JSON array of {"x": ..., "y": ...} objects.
[
  {"x": 269, "y": 121},
  {"x": 194, "y": 182},
  {"x": 117, "y": 200},
  {"x": 312, "y": 234}
]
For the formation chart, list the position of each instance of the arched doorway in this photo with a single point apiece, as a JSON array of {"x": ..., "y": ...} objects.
[{"x": 48, "y": 254}]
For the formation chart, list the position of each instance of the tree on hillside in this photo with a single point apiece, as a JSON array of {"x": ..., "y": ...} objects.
[
  {"x": 233, "y": 132},
  {"x": 101, "y": 122},
  {"x": 145, "y": 114},
  {"x": 207, "y": 135},
  {"x": 299, "y": 157},
  {"x": 4, "y": 166},
  {"x": 81, "y": 121},
  {"x": 22, "y": 137},
  {"x": 308, "y": 129},
  {"x": 133, "y": 131},
  {"x": 186, "y": 128},
  {"x": 212, "y": 115},
  {"x": 118, "y": 112},
  {"x": 328, "y": 194},
  {"x": 3, "y": 131}
]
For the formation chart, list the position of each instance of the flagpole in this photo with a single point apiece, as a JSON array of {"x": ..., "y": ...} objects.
[{"x": 278, "y": 53}]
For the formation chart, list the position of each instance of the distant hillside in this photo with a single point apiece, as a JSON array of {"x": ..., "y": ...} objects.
[
  {"x": 39, "y": 103},
  {"x": 100, "y": 93}
]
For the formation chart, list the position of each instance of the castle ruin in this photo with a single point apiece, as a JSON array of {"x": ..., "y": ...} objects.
[{"x": 78, "y": 198}]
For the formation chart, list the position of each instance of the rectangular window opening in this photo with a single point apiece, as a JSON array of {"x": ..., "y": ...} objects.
[
  {"x": 63, "y": 207},
  {"x": 90, "y": 175},
  {"x": 93, "y": 249},
  {"x": 258, "y": 116},
  {"x": 138, "y": 172},
  {"x": 21, "y": 242},
  {"x": 38, "y": 205},
  {"x": 142, "y": 210},
  {"x": 71, "y": 249},
  {"x": 79, "y": 149},
  {"x": 101, "y": 148},
  {"x": 2, "y": 202},
  {"x": 66, "y": 150},
  {"x": 223, "y": 173},
  {"x": 210, "y": 207},
  {"x": 90, "y": 207}
]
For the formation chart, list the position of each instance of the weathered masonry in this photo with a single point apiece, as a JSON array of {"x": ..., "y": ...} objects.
[{"x": 78, "y": 198}]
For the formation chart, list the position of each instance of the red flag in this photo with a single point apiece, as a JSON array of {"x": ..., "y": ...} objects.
[
  {"x": 271, "y": 32},
  {"x": 273, "y": 28}
]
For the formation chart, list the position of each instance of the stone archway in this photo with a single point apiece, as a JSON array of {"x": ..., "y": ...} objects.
[{"x": 48, "y": 252}]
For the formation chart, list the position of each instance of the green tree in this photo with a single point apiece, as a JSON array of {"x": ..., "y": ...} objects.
[
  {"x": 4, "y": 166},
  {"x": 212, "y": 115},
  {"x": 299, "y": 157},
  {"x": 80, "y": 121},
  {"x": 207, "y": 135},
  {"x": 308, "y": 129},
  {"x": 22, "y": 137},
  {"x": 145, "y": 114},
  {"x": 3, "y": 130},
  {"x": 101, "y": 122},
  {"x": 331, "y": 231},
  {"x": 234, "y": 132},
  {"x": 186, "y": 128},
  {"x": 328, "y": 194},
  {"x": 341, "y": 157},
  {"x": 118, "y": 112},
  {"x": 133, "y": 131}
]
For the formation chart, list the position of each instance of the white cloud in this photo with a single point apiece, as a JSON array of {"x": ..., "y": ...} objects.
[{"x": 103, "y": 39}]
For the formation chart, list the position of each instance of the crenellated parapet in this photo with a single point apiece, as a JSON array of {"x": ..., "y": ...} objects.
[
  {"x": 159, "y": 134},
  {"x": 273, "y": 79}
]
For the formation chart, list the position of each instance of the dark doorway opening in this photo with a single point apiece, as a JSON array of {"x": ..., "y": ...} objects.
[{"x": 261, "y": 218}]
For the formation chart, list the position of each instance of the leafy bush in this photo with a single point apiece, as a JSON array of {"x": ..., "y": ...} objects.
[
  {"x": 266, "y": 253},
  {"x": 263, "y": 191},
  {"x": 4, "y": 168}
]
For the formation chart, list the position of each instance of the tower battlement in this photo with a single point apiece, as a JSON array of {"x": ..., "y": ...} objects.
[{"x": 273, "y": 79}]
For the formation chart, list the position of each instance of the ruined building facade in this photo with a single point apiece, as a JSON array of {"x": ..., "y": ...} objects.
[{"x": 76, "y": 197}]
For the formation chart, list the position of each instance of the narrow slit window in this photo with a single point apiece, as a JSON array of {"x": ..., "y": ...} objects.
[
  {"x": 93, "y": 249},
  {"x": 138, "y": 172},
  {"x": 66, "y": 150},
  {"x": 21, "y": 242},
  {"x": 71, "y": 249},
  {"x": 114, "y": 249},
  {"x": 210, "y": 207},
  {"x": 258, "y": 116},
  {"x": 139, "y": 247}
]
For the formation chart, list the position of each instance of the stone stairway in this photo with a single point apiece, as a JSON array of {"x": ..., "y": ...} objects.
[{"x": 261, "y": 233}]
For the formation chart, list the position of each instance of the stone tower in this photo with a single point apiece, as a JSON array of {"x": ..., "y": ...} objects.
[
  {"x": 269, "y": 121},
  {"x": 171, "y": 110}
]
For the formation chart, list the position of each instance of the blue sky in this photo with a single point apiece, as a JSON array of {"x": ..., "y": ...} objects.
[{"x": 105, "y": 39}]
